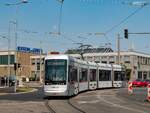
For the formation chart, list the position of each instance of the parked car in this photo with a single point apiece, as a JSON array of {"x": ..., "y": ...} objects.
[
  {"x": 139, "y": 83},
  {"x": 147, "y": 81}
]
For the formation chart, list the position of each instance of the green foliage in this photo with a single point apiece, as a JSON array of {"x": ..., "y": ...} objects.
[{"x": 24, "y": 89}]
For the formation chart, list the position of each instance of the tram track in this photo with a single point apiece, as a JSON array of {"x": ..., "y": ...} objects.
[
  {"x": 62, "y": 106},
  {"x": 75, "y": 107},
  {"x": 51, "y": 110}
]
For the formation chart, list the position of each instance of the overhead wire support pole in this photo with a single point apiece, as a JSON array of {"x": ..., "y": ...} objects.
[
  {"x": 118, "y": 47},
  {"x": 9, "y": 69},
  {"x": 60, "y": 16},
  {"x": 40, "y": 62}
]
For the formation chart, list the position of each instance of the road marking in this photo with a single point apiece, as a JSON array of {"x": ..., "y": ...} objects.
[
  {"x": 88, "y": 102},
  {"x": 119, "y": 106}
]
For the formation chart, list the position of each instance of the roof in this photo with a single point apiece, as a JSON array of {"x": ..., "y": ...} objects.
[
  {"x": 88, "y": 50},
  {"x": 123, "y": 53}
]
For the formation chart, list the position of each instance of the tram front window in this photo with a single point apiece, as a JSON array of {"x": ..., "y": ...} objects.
[{"x": 55, "y": 72}]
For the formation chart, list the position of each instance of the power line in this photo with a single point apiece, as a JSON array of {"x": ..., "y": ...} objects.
[{"x": 125, "y": 19}]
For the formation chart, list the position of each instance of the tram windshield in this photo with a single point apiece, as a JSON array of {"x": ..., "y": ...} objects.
[{"x": 55, "y": 72}]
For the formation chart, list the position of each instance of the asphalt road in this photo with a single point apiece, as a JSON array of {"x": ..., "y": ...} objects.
[
  {"x": 113, "y": 101},
  {"x": 23, "y": 103},
  {"x": 99, "y": 101}
]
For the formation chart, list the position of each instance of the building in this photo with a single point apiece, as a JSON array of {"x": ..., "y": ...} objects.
[
  {"x": 22, "y": 59},
  {"x": 37, "y": 68},
  {"x": 137, "y": 64}
]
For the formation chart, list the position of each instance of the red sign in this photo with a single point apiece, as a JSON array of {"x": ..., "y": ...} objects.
[{"x": 54, "y": 52}]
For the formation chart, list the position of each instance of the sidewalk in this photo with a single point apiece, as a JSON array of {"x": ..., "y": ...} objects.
[
  {"x": 33, "y": 84},
  {"x": 6, "y": 89},
  {"x": 10, "y": 90}
]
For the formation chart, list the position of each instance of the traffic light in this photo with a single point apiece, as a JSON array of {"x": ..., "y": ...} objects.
[
  {"x": 15, "y": 66},
  {"x": 126, "y": 33},
  {"x": 19, "y": 65}
]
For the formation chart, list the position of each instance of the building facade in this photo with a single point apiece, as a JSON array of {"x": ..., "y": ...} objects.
[
  {"x": 22, "y": 60},
  {"x": 37, "y": 68}
]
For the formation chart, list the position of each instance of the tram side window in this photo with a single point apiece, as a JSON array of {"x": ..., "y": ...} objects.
[
  {"x": 117, "y": 76},
  {"x": 108, "y": 75},
  {"x": 83, "y": 75},
  {"x": 92, "y": 74},
  {"x": 123, "y": 76},
  {"x": 73, "y": 74},
  {"x": 104, "y": 75}
]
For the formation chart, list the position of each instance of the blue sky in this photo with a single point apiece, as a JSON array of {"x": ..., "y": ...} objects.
[{"x": 79, "y": 17}]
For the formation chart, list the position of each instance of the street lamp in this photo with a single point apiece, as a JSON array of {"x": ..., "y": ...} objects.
[
  {"x": 8, "y": 69},
  {"x": 137, "y": 3},
  {"x": 16, "y": 27},
  {"x": 18, "y": 3}
]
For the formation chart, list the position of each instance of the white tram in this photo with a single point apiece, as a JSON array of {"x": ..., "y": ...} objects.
[{"x": 66, "y": 76}]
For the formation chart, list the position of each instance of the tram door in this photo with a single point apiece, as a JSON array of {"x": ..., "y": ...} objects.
[
  {"x": 92, "y": 78},
  {"x": 73, "y": 80}
]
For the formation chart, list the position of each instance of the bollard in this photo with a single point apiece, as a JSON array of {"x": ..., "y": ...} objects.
[
  {"x": 148, "y": 92},
  {"x": 130, "y": 89}
]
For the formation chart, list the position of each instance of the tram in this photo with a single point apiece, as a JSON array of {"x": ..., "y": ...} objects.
[{"x": 67, "y": 76}]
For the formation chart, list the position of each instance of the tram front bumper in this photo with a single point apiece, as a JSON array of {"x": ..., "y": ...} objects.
[{"x": 55, "y": 91}]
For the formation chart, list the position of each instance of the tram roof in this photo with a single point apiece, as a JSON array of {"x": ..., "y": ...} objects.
[
  {"x": 117, "y": 67},
  {"x": 67, "y": 57},
  {"x": 58, "y": 56}
]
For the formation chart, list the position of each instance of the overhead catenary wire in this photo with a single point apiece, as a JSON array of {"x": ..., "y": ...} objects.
[{"x": 124, "y": 20}]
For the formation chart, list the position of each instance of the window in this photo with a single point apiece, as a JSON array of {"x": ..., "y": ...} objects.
[
  {"x": 55, "y": 72},
  {"x": 104, "y": 62},
  {"x": 127, "y": 59},
  {"x": 139, "y": 75},
  {"x": 111, "y": 62},
  {"x": 33, "y": 61},
  {"x": 83, "y": 75},
  {"x": 117, "y": 76},
  {"x": 92, "y": 74},
  {"x": 4, "y": 59},
  {"x": 97, "y": 61},
  {"x": 73, "y": 74},
  {"x": 38, "y": 66},
  {"x": 144, "y": 75},
  {"x": 104, "y": 75}
]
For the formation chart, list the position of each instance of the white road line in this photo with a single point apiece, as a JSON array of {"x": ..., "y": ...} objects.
[
  {"x": 119, "y": 106},
  {"x": 88, "y": 102}
]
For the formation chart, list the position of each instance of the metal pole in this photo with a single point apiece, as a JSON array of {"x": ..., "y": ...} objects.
[
  {"x": 118, "y": 46},
  {"x": 8, "y": 55},
  {"x": 16, "y": 60},
  {"x": 16, "y": 4},
  {"x": 40, "y": 62}
]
